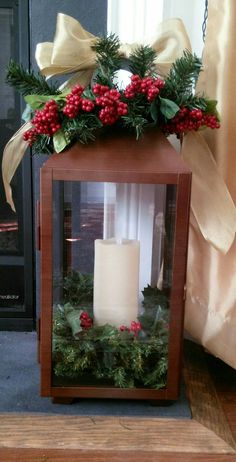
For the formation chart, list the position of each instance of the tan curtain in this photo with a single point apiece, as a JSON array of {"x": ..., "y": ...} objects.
[{"x": 211, "y": 276}]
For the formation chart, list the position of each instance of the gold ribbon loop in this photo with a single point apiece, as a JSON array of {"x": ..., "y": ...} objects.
[
  {"x": 170, "y": 41},
  {"x": 71, "y": 50}
]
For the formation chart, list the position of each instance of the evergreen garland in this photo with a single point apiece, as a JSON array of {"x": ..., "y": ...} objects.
[{"x": 122, "y": 357}]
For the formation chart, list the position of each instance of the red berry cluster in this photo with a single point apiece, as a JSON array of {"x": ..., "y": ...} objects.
[
  {"x": 74, "y": 103},
  {"x": 147, "y": 86},
  {"x": 46, "y": 122},
  {"x": 135, "y": 327},
  {"x": 30, "y": 136},
  {"x": 190, "y": 119},
  {"x": 85, "y": 321},
  {"x": 109, "y": 100}
]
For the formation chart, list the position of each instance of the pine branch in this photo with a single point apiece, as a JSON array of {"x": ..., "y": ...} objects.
[
  {"x": 78, "y": 288},
  {"x": 26, "y": 82},
  {"x": 135, "y": 122},
  {"x": 141, "y": 61},
  {"x": 193, "y": 101},
  {"x": 181, "y": 80},
  {"x": 43, "y": 145},
  {"x": 82, "y": 128},
  {"x": 108, "y": 58}
]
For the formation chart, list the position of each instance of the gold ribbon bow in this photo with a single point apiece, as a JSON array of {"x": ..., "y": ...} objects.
[{"x": 71, "y": 53}]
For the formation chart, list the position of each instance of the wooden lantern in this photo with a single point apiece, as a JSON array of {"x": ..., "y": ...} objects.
[{"x": 113, "y": 214}]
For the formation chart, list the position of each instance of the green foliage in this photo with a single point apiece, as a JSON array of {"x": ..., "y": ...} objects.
[
  {"x": 60, "y": 141},
  {"x": 139, "y": 115},
  {"x": 141, "y": 61},
  {"x": 108, "y": 58},
  {"x": 104, "y": 354},
  {"x": 73, "y": 319},
  {"x": 168, "y": 108},
  {"x": 182, "y": 77},
  {"x": 27, "y": 82},
  {"x": 135, "y": 122},
  {"x": 133, "y": 111},
  {"x": 43, "y": 144},
  {"x": 153, "y": 297},
  {"x": 38, "y": 101},
  {"x": 211, "y": 107},
  {"x": 156, "y": 310},
  {"x": 107, "y": 355},
  {"x": 78, "y": 288},
  {"x": 83, "y": 128}
]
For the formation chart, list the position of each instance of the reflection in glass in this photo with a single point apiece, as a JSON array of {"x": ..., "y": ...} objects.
[{"x": 9, "y": 236}]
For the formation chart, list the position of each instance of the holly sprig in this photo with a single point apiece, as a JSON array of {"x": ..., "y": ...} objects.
[{"x": 60, "y": 118}]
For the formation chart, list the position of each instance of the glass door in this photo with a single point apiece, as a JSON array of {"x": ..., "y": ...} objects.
[
  {"x": 112, "y": 283},
  {"x": 16, "y": 276}
]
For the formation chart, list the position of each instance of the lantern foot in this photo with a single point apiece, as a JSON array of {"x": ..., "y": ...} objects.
[
  {"x": 161, "y": 402},
  {"x": 58, "y": 400}
]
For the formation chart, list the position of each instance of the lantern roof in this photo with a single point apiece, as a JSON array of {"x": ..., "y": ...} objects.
[{"x": 120, "y": 157}]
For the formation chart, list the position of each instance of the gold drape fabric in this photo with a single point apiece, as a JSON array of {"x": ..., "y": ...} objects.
[{"x": 210, "y": 315}]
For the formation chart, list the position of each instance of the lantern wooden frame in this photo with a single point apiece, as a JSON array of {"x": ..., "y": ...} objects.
[{"x": 117, "y": 158}]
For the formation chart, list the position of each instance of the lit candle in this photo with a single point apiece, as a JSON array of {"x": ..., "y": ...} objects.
[{"x": 116, "y": 281}]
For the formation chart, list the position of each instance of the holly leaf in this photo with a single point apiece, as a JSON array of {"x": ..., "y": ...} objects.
[
  {"x": 211, "y": 108},
  {"x": 154, "y": 111},
  {"x": 73, "y": 319},
  {"x": 88, "y": 93},
  {"x": 59, "y": 141},
  {"x": 168, "y": 108},
  {"x": 38, "y": 101}
]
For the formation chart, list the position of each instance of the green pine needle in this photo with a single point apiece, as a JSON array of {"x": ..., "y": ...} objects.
[
  {"x": 181, "y": 80},
  {"x": 43, "y": 145},
  {"x": 108, "y": 59},
  {"x": 141, "y": 61},
  {"x": 27, "y": 82},
  {"x": 82, "y": 128},
  {"x": 78, "y": 288}
]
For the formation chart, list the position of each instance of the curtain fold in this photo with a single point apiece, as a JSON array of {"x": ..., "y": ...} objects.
[{"x": 210, "y": 315}]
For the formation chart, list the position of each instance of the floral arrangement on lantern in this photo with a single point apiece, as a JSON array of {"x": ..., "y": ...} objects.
[{"x": 60, "y": 117}]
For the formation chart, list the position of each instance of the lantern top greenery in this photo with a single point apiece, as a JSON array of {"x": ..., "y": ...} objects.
[{"x": 59, "y": 118}]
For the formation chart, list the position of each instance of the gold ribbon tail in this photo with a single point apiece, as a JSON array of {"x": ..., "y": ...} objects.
[
  {"x": 12, "y": 156},
  {"x": 211, "y": 202}
]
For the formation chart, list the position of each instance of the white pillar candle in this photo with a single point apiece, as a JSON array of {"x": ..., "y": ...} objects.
[{"x": 116, "y": 281}]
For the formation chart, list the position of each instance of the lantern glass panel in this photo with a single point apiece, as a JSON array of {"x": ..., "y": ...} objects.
[{"x": 112, "y": 278}]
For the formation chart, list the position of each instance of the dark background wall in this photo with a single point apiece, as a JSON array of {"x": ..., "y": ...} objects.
[{"x": 92, "y": 14}]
